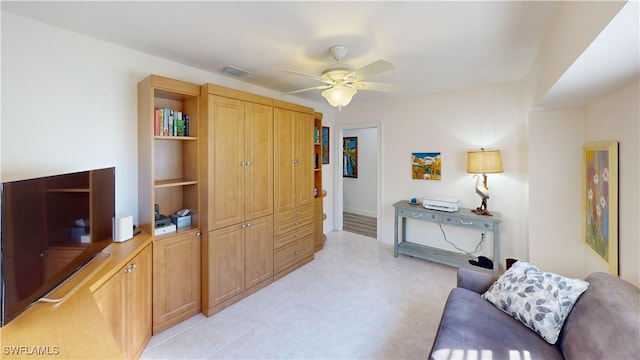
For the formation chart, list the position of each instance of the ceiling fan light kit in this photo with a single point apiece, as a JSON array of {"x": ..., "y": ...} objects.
[
  {"x": 339, "y": 96},
  {"x": 343, "y": 81}
]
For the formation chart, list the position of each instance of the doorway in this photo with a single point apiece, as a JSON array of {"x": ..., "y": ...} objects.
[{"x": 359, "y": 197}]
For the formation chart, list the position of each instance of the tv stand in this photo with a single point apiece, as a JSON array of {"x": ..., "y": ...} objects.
[{"x": 462, "y": 218}]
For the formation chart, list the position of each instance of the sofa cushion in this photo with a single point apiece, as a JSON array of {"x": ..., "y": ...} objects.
[
  {"x": 473, "y": 328},
  {"x": 538, "y": 299},
  {"x": 605, "y": 321}
]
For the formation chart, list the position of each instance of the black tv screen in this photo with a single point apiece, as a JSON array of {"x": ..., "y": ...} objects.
[{"x": 51, "y": 227}]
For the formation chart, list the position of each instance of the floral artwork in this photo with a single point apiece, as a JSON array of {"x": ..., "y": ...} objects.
[
  {"x": 426, "y": 166},
  {"x": 600, "y": 198}
]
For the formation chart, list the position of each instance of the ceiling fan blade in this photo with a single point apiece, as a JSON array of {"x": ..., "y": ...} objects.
[
  {"x": 311, "y": 76},
  {"x": 375, "y": 86},
  {"x": 321, "y": 87},
  {"x": 375, "y": 68}
]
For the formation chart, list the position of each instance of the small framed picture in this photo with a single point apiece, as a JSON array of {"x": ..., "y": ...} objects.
[
  {"x": 350, "y": 157},
  {"x": 426, "y": 166},
  {"x": 325, "y": 145}
]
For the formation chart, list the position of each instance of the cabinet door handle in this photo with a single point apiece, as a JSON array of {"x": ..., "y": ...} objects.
[
  {"x": 248, "y": 225},
  {"x": 466, "y": 222},
  {"x": 243, "y": 226},
  {"x": 248, "y": 163},
  {"x": 243, "y": 163},
  {"x": 297, "y": 235},
  {"x": 130, "y": 268},
  {"x": 297, "y": 253},
  {"x": 198, "y": 234},
  {"x": 416, "y": 214},
  {"x": 297, "y": 223}
]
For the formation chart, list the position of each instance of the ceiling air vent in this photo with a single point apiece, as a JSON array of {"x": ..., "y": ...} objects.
[{"x": 235, "y": 71}]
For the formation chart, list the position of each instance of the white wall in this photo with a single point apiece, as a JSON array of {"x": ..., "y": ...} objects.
[
  {"x": 617, "y": 117},
  {"x": 453, "y": 123},
  {"x": 555, "y": 164},
  {"x": 556, "y": 138},
  {"x": 360, "y": 195},
  {"x": 69, "y": 103}
]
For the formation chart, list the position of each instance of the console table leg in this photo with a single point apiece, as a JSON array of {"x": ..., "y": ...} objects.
[{"x": 395, "y": 235}]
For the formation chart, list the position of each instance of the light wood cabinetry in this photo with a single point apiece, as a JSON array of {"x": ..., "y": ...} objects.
[
  {"x": 239, "y": 196},
  {"x": 90, "y": 308},
  {"x": 125, "y": 302},
  {"x": 168, "y": 176},
  {"x": 319, "y": 237},
  {"x": 240, "y": 166},
  {"x": 241, "y": 258},
  {"x": 294, "y": 158},
  {"x": 293, "y": 189},
  {"x": 176, "y": 274}
]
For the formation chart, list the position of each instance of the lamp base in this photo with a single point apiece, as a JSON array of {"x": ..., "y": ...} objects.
[{"x": 480, "y": 211}]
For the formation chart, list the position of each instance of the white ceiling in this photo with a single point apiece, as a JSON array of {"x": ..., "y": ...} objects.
[{"x": 435, "y": 46}]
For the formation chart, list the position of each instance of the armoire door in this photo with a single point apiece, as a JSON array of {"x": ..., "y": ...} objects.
[
  {"x": 258, "y": 158},
  {"x": 226, "y": 162}
]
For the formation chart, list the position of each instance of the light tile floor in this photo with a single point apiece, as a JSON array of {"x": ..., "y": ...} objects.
[{"x": 355, "y": 300}]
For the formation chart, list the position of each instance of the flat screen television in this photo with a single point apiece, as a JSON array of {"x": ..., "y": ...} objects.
[{"x": 51, "y": 227}]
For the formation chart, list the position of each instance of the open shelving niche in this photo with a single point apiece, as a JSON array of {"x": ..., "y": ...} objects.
[{"x": 175, "y": 160}]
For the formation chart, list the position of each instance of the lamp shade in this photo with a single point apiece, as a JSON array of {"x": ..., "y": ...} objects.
[
  {"x": 339, "y": 96},
  {"x": 484, "y": 162}
]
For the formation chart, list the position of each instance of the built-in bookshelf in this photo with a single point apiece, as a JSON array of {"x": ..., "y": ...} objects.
[
  {"x": 168, "y": 150},
  {"x": 319, "y": 238},
  {"x": 168, "y": 181}
]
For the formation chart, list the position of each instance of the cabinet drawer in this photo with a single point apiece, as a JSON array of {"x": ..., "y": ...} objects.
[
  {"x": 466, "y": 222},
  {"x": 290, "y": 220},
  {"x": 297, "y": 234},
  {"x": 292, "y": 253},
  {"x": 417, "y": 214}
]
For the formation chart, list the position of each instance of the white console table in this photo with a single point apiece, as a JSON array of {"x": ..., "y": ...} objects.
[{"x": 462, "y": 218}]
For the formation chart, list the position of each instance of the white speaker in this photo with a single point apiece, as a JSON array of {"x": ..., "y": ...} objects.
[{"x": 122, "y": 227}]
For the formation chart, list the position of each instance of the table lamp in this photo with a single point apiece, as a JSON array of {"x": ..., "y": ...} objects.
[{"x": 483, "y": 162}]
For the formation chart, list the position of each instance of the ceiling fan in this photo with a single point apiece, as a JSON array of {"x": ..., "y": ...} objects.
[{"x": 343, "y": 81}]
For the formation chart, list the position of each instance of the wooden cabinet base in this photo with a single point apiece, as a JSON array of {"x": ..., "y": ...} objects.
[
  {"x": 225, "y": 304},
  {"x": 292, "y": 268}
]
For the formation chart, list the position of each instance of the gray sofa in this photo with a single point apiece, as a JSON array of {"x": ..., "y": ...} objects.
[{"x": 603, "y": 324}]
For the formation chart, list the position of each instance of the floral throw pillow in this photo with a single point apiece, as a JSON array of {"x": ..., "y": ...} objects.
[{"x": 540, "y": 300}]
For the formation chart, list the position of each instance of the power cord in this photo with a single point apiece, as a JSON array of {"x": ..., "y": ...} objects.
[{"x": 459, "y": 249}]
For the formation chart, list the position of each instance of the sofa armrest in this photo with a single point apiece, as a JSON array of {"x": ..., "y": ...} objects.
[{"x": 474, "y": 280}]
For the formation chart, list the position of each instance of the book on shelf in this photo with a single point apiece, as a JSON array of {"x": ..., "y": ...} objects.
[
  {"x": 168, "y": 122},
  {"x": 316, "y": 135},
  {"x": 165, "y": 122},
  {"x": 160, "y": 121},
  {"x": 171, "y": 120},
  {"x": 156, "y": 130}
]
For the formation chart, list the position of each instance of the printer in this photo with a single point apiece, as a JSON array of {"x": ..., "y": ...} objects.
[{"x": 442, "y": 204}]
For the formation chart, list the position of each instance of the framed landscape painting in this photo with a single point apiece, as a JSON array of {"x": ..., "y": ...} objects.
[
  {"x": 426, "y": 166},
  {"x": 600, "y": 202}
]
